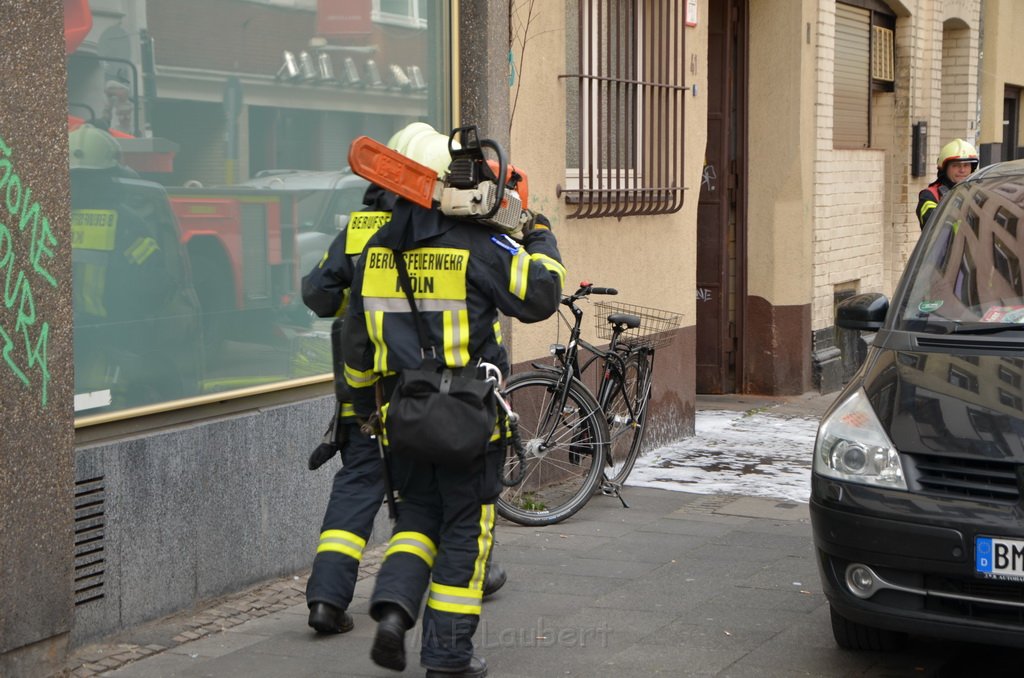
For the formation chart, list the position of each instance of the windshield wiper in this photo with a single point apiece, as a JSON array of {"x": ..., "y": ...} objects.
[{"x": 985, "y": 328}]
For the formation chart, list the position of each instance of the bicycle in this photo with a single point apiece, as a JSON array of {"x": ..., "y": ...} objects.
[{"x": 576, "y": 443}]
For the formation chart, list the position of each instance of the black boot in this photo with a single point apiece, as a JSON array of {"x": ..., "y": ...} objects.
[
  {"x": 494, "y": 579},
  {"x": 327, "y": 618},
  {"x": 476, "y": 668},
  {"x": 389, "y": 644}
]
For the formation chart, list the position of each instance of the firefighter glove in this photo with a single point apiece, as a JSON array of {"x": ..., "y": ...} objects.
[
  {"x": 322, "y": 453},
  {"x": 535, "y": 220}
]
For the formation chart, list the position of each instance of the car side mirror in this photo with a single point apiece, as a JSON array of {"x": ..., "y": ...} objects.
[{"x": 862, "y": 312}]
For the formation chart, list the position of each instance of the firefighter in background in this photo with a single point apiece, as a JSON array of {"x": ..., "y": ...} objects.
[
  {"x": 358, "y": 489},
  {"x": 135, "y": 312},
  {"x": 957, "y": 160},
  {"x": 443, "y": 535}
]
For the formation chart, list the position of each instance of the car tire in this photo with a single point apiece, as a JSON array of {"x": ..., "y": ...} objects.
[{"x": 850, "y": 635}]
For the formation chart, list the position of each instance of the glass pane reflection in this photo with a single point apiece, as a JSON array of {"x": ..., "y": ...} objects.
[{"x": 228, "y": 177}]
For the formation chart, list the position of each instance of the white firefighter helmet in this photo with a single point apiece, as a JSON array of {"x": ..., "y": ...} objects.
[
  {"x": 955, "y": 151},
  {"x": 92, "y": 148},
  {"x": 422, "y": 143}
]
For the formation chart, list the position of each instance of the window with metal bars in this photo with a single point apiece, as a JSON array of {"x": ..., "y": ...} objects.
[{"x": 624, "y": 107}]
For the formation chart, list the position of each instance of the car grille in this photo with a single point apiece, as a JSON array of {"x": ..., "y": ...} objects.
[
  {"x": 970, "y": 478},
  {"x": 1006, "y": 606},
  {"x": 955, "y": 597}
]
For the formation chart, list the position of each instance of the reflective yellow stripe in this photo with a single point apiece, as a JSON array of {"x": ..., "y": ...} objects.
[
  {"x": 140, "y": 250},
  {"x": 416, "y": 543},
  {"x": 347, "y": 410},
  {"x": 456, "y": 338},
  {"x": 502, "y": 419},
  {"x": 455, "y": 599},
  {"x": 357, "y": 378},
  {"x": 375, "y": 330},
  {"x": 484, "y": 542},
  {"x": 517, "y": 277},
  {"x": 927, "y": 207},
  {"x": 345, "y": 295},
  {"x": 551, "y": 265},
  {"x": 340, "y": 541},
  {"x": 497, "y": 331},
  {"x": 89, "y": 288}
]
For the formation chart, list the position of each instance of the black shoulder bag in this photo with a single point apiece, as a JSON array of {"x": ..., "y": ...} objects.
[{"x": 438, "y": 414}]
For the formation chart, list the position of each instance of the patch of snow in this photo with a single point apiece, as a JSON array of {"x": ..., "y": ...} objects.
[{"x": 752, "y": 454}]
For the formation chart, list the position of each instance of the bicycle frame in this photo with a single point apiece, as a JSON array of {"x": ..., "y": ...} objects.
[
  {"x": 612, "y": 359},
  {"x": 575, "y": 425}
]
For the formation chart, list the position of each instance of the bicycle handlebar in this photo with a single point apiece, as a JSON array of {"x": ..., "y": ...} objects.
[{"x": 587, "y": 289}]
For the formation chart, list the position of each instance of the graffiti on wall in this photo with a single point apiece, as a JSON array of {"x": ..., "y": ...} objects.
[{"x": 26, "y": 247}]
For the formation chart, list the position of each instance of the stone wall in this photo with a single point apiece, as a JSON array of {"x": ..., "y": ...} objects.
[{"x": 36, "y": 372}]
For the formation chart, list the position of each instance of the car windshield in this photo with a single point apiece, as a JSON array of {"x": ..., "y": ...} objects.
[{"x": 965, "y": 274}]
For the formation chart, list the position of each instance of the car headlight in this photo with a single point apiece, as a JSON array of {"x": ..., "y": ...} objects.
[{"x": 852, "y": 446}]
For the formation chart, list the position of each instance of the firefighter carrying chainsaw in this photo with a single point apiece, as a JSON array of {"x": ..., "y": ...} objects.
[
  {"x": 452, "y": 237},
  {"x": 358, "y": 488}
]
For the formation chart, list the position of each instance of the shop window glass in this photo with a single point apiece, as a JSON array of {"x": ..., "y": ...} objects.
[{"x": 209, "y": 174}]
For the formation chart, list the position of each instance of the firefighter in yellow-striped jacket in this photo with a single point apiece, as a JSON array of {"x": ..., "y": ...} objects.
[
  {"x": 358, "y": 488},
  {"x": 463, "y": 275},
  {"x": 957, "y": 160},
  {"x": 136, "y": 317}
]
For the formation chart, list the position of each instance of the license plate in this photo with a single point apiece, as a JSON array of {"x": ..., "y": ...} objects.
[{"x": 998, "y": 558}]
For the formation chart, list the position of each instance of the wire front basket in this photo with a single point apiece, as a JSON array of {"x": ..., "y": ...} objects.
[{"x": 655, "y": 330}]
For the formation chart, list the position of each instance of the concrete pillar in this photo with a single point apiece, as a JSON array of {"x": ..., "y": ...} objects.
[
  {"x": 483, "y": 68},
  {"x": 483, "y": 92},
  {"x": 36, "y": 368}
]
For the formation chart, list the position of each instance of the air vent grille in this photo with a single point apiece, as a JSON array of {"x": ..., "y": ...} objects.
[
  {"x": 90, "y": 554},
  {"x": 882, "y": 61}
]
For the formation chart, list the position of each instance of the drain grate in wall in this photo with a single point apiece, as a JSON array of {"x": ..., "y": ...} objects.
[{"x": 90, "y": 558}]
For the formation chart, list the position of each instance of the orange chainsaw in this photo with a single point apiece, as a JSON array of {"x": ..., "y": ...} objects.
[{"x": 470, "y": 189}]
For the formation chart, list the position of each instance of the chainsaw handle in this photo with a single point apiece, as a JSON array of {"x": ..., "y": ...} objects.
[
  {"x": 500, "y": 179},
  {"x": 470, "y": 141}
]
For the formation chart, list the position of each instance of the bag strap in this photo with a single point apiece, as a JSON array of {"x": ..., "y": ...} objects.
[{"x": 403, "y": 279}]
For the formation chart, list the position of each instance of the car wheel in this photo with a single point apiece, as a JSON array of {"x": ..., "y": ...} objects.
[{"x": 850, "y": 635}]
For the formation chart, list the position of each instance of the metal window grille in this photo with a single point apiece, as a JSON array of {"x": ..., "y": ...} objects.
[{"x": 627, "y": 95}]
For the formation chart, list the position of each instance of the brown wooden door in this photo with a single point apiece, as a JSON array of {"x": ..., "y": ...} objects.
[{"x": 720, "y": 237}]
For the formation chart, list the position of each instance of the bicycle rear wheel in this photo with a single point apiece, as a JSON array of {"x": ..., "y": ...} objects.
[
  {"x": 625, "y": 395},
  {"x": 564, "y": 450}
]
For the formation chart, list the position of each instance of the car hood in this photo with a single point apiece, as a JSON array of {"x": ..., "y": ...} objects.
[{"x": 946, "y": 404}]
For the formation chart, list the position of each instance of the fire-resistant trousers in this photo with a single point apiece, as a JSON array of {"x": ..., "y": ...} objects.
[
  {"x": 355, "y": 499},
  {"x": 441, "y": 543}
]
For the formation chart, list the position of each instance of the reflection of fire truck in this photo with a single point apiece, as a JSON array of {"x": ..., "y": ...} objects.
[
  {"x": 241, "y": 248},
  {"x": 241, "y": 241},
  {"x": 249, "y": 244}
]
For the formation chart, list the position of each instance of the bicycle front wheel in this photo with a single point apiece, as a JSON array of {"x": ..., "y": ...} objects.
[
  {"x": 564, "y": 449},
  {"x": 625, "y": 394}
]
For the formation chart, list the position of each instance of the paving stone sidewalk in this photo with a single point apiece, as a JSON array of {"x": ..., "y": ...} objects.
[{"x": 212, "y": 617}]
